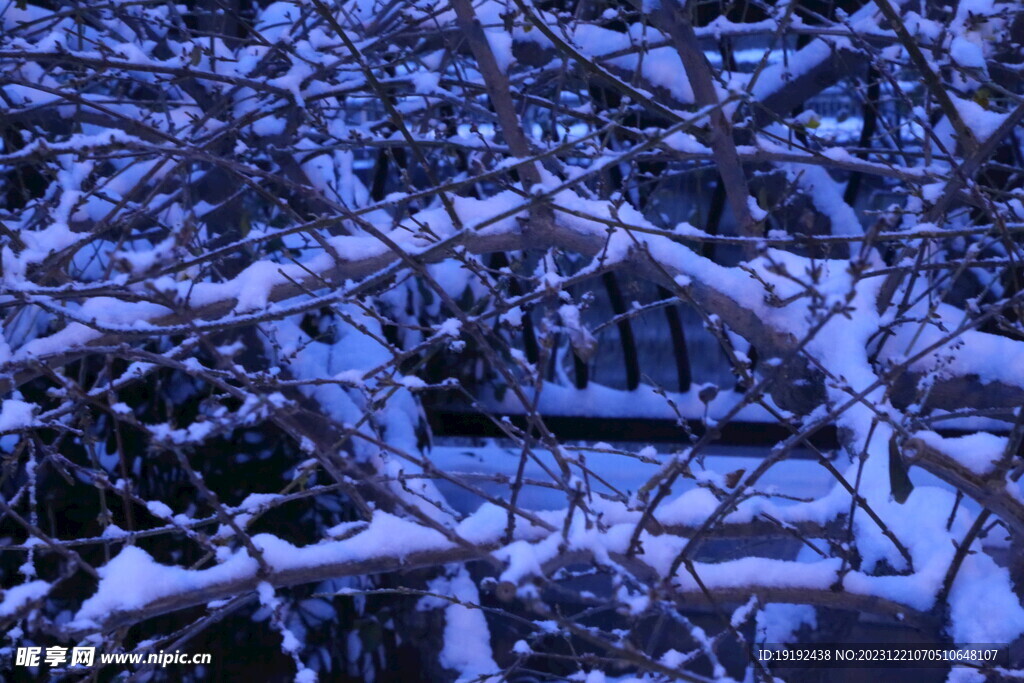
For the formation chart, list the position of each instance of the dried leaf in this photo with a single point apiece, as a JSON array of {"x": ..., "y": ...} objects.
[{"x": 899, "y": 481}]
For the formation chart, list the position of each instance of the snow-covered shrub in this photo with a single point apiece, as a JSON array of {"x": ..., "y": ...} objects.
[{"x": 252, "y": 250}]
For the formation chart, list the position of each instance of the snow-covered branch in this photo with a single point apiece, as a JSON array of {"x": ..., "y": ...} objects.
[{"x": 251, "y": 251}]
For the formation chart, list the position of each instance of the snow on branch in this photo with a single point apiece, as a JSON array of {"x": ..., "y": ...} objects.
[{"x": 353, "y": 329}]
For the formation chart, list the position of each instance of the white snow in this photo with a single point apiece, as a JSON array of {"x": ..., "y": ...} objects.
[{"x": 15, "y": 598}]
